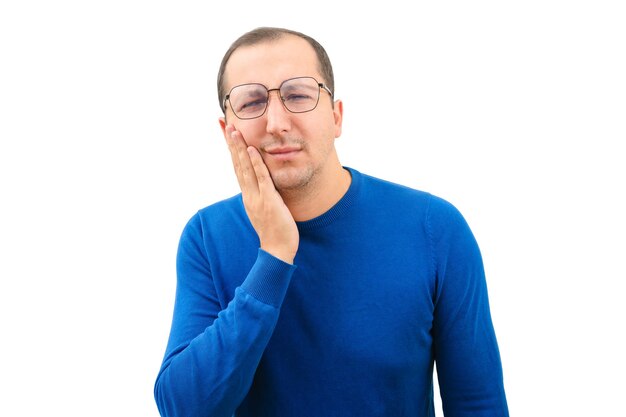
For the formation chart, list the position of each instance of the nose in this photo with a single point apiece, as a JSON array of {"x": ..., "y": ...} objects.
[{"x": 277, "y": 116}]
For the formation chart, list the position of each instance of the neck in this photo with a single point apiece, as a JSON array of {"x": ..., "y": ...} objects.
[{"x": 318, "y": 196}]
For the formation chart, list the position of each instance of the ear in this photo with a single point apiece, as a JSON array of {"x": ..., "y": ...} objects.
[
  {"x": 222, "y": 121},
  {"x": 338, "y": 115}
]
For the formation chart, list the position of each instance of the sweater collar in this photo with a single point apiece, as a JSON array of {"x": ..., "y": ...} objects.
[{"x": 338, "y": 210}]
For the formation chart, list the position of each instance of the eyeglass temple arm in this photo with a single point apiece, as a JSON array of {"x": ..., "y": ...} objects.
[{"x": 322, "y": 85}]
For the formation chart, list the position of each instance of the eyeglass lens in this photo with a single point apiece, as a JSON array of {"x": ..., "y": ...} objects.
[{"x": 298, "y": 94}]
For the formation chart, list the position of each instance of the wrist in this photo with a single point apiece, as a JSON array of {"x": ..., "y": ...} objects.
[{"x": 280, "y": 253}]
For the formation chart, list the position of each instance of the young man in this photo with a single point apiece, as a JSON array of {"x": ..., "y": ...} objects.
[{"x": 320, "y": 291}]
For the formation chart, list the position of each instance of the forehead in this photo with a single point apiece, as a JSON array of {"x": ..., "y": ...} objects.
[{"x": 272, "y": 62}]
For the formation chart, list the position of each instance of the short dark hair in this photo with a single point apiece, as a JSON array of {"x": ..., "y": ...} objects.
[{"x": 267, "y": 34}]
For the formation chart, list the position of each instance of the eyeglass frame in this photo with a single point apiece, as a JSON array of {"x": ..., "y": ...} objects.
[{"x": 282, "y": 99}]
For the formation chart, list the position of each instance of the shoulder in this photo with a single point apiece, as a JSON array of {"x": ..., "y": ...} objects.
[
  {"x": 404, "y": 196},
  {"x": 385, "y": 187},
  {"x": 217, "y": 215},
  {"x": 220, "y": 209},
  {"x": 401, "y": 202}
]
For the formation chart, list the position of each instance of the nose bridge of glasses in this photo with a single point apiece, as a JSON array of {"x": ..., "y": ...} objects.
[
  {"x": 278, "y": 94},
  {"x": 269, "y": 90}
]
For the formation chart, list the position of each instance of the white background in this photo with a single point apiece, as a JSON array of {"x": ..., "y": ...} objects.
[{"x": 513, "y": 111}]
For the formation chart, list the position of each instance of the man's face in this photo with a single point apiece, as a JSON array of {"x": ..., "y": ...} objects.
[{"x": 296, "y": 147}]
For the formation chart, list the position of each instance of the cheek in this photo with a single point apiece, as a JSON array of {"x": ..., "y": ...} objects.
[
  {"x": 251, "y": 131},
  {"x": 322, "y": 128}
]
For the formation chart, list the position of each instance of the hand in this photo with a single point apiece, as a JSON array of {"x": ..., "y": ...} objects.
[{"x": 266, "y": 209}]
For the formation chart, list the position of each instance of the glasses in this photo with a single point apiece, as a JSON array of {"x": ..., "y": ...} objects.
[{"x": 299, "y": 95}]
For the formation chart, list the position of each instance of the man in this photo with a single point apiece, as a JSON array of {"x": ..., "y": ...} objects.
[{"x": 320, "y": 291}]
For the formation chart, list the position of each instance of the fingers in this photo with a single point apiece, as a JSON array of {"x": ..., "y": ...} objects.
[
  {"x": 264, "y": 180},
  {"x": 242, "y": 164}
]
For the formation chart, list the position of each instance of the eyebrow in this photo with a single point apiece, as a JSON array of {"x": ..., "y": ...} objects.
[{"x": 253, "y": 92}]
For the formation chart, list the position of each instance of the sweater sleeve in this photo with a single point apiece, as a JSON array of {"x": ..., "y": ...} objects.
[
  {"x": 213, "y": 352},
  {"x": 466, "y": 352}
]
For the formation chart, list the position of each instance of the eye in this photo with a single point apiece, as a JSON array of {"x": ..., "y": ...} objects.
[
  {"x": 248, "y": 99},
  {"x": 252, "y": 105},
  {"x": 296, "y": 97}
]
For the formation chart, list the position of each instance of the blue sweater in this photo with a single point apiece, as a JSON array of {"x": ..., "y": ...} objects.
[{"x": 386, "y": 283}]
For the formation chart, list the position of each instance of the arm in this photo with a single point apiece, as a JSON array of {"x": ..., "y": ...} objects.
[
  {"x": 212, "y": 355},
  {"x": 466, "y": 351}
]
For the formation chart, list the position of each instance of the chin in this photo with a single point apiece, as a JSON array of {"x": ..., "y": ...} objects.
[{"x": 292, "y": 178}]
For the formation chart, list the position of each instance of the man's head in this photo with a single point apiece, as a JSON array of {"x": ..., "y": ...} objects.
[
  {"x": 277, "y": 92},
  {"x": 269, "y": 34}
]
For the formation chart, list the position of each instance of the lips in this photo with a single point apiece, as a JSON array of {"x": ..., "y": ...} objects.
[{"x": 283, "y": 152}]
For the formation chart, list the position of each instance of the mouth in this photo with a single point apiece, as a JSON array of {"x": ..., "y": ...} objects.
[{"x": 283, "y": 153}]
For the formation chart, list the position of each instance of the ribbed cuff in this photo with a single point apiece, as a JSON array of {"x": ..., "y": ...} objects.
[{"x": 268, "y": 279}]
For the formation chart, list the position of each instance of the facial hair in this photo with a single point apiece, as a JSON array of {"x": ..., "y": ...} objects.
[{"x": 289, "y": 176}]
